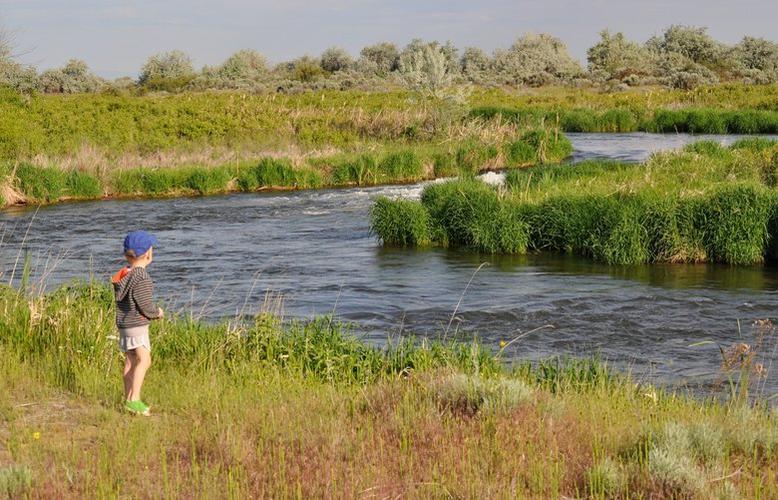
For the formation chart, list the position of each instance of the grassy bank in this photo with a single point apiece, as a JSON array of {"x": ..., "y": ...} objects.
[
  {"x": 257, "y": 408},
  {"x": 689, "y": 120},
  {"x": 705, "y": 203},
  {"x": 27, "y": 182},
  {"x": 94, "y": 145}
]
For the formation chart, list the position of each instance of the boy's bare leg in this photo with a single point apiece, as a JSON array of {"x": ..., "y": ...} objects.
[
  {"x": 141, "y": 363},
  {"x": 127, "y": 375}
]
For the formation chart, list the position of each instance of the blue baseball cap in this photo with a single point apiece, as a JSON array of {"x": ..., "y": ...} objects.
[{"x": 139, "y": 242}]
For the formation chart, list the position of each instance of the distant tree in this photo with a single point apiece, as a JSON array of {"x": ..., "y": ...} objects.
[
  {"x": 425, "y": 68},
  {"x": 452, "y": 57},
  {"x": 123, "y": 82},
  {"x": 449, "y": 51},
  {"x": 243, "y": 65},
  {"x": 474, "y": 61},
  {"x": 757, "y": 60},
  {"x": 242, "y": 70},
  {"x": 167, "y": 71},
  {"x": 688, "y": 57},
  {"x": 336, "y": 59},
  {"x": 21, "y": 78},
  {"x": 381, "y": 58},
  {"x": 757, "y": 53},
  {"x": 614, "y": 56},
  {"x": 536, "y": 60},
  {"x": 305, "y": 69},
  {"x": 689, "y": 41},
  {"x": 73, "y": 78}
]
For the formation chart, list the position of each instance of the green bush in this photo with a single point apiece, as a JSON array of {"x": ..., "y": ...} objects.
[
  {"x": 361, "y": 171},
  {"x": 538, "y": 146},
  {"x": 706, "y": 121},
  {"x": 617, "y": 120},
  {"x": 400, "y": 222},
  {"x": 159, "y": 181},
  {"x": 444, "y": 164},
  {"x": 207, "y": 180},
  {"x": 470, "y": 213},
  {"x": 579, "y": 120},
  {"x": 734, "y": 222},
  {"x": 401, "y": 166},
  {"x": 754, "y": 144},
  {"x": 126, "y": 182},
  {"x": 269, "y": 172},
  {"x": 41, "y": 184},
  {"x": 522, "y": 179},
  {"x": 752, "y": 121},
  {"x": 472, "y": 156},
  {"x": 83, "y": 185},
  {"x": 491, "y": 112},
  {"x": 707, "y": 148}
]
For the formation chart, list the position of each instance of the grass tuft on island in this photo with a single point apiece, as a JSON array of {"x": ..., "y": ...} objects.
[
  {"x": 706, "y": 203},
  {"x": 255, "y": 407}
]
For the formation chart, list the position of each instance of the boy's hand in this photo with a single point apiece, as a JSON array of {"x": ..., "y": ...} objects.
[{"x": 160, "y": 312}]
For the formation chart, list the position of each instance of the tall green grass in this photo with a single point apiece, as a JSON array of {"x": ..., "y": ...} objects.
[
  {"x": 400, "y": 222},
  {"x": 68, "y": 331},
  {"x": 232, "y": 404},
  {"x": 466, "y": 159},
  {"x": 164, "y": 181},
  {"x": 706, "y": 203},
  {"x": 538, "y": 146},
  {"x": 634, "y": 119},
  {"x": 271, "y": 172},
  {"x": 49, "y": 184},
  {"x": 728, "y": 225}
]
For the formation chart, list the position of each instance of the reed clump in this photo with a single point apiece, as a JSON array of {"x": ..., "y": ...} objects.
[
  {"x": 706, "y": 203},
  {"x": 639, "y": 118}
]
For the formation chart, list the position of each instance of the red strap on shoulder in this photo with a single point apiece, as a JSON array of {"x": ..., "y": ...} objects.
[{"x": 120, "y": 274}]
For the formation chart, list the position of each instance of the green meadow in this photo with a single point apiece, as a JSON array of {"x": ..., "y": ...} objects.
[{"x": 254, "y": 407}]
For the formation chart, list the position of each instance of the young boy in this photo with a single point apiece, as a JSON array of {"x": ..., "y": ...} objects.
[{"x": 134, "y": 311}]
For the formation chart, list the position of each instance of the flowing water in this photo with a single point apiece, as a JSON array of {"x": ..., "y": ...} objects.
[{"x": 221, "y": 255}]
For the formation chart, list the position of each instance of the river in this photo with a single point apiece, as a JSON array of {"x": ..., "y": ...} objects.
[{"x": 311, "y": 252}]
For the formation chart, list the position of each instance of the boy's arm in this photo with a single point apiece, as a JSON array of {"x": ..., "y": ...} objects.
[{"x": 142, "y": 294}]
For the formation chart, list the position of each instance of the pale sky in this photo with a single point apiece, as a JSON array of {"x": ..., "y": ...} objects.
[{"x": 116, "y": 37}]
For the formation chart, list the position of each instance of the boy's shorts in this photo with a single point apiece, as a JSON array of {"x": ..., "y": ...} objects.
[{"x": 132, "y": 338}]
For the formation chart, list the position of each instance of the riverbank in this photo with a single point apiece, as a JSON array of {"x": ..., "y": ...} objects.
[
  {"x": 55, "y": 148},
  {"x": 30, "y": 183},
  {"x": 255, "y": 407},
  {"x": 706, "y": 203}
]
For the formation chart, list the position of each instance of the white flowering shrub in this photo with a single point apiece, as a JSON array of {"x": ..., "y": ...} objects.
[
  {"x": 246, "y": 69},
  {"x": 425, "y": 68},
  {"x": 12, "y": 74},
  {"x": 336, "y": 59},
  {"x": 167, "y": 71},
  {"x": 616, "y": 57},
  {"x": 536, "y": 60},
  {"x": 73, "y": 78},
  {"x": 381, "y": 58},
  {"x": 757, "y": 59}
]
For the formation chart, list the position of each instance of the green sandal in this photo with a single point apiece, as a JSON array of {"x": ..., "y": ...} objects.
[{"x": 137, "y": 407}]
